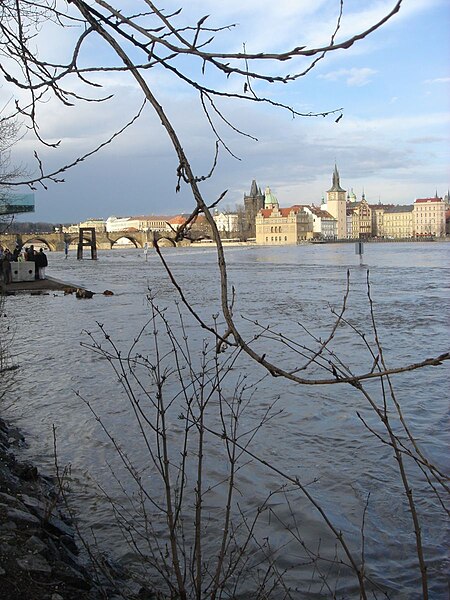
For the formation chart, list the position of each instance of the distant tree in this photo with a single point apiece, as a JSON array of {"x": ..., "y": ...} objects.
[{"x": 32, "y": 227}]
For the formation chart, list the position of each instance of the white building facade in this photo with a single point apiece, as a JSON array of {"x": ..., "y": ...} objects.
[
  {"x": 226, "y": 221},
  {"x": 429, "y": 217},
  {"x": 324, "y": 224}
]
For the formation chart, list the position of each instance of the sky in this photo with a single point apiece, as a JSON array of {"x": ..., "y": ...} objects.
[{"x": 392, "y": 142}]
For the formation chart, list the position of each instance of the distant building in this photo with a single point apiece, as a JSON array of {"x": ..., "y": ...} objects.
[
  {"x": 282, "y": 226},
  {"x": 270, "y": 200},
  {"x": 398, "y": 222},
  {"x": 378, "y": 217},
  {"x": 324, "y": 224},
  {"x": 151, "y": 222},
  {"x": 174, "y": 223},
  {"x": 348, "y": 221},
  {"x": 337, "y": 204},
  {"x": 138, "y": 223},
  {"x": 226, "y": 222},
  {"x": 114, "y": 224},
  {"x": 198, "y": 228},
  {"x": 429, "y": 217},
  {"x": 361, "y": 220},
  {"x": 70, "y": 228},
  {"x": 98, "y": 224},
  {"x": 253, "y": 202}
]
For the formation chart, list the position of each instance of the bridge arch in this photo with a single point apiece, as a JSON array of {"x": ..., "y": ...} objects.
[
  {"x": 37, "y": 239},
  {"x": 73, "y": 239},
  {"x": 131, "y": 238},
  {"x": 167, "y": 242}
]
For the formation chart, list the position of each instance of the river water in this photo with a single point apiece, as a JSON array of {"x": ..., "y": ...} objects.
[{"x": 327, "y": 436}]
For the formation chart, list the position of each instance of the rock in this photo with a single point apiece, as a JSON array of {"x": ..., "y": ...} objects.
[
  {"x": 68, "y": 557},
  {"x": 145, "y": 594},
  {"x": 34, "y": 563},
  {"x": 14, "y": 441},
  {"x": 58, "y": 526},
  {"x": 27, "y": 472},
  {"x": 34, "y": 545},
  {"x": 108, "y": 293},
  {"x": 82, "y": 293},
  {"x": 7, "y": 478},
  {"x": 33, "y": 503},
  {"x": 71, "y": 576},
  {"x": 22, "y": 517},
  {"x": 69, "y": 544},
  {"x": 11, "y": 500},
  {"x": 38, "y": 552}
]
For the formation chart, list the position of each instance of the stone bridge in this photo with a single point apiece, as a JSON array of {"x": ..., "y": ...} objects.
[{"x": 105, "y": 241}]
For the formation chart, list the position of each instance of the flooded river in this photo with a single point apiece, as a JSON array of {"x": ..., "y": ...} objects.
[{"x": 327, "y": 436}]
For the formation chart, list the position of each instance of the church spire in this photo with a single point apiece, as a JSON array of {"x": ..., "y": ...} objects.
[{"x": 336, "y": 187}]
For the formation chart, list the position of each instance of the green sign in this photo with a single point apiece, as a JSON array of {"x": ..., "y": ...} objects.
[{"x": 18, "y": 203}]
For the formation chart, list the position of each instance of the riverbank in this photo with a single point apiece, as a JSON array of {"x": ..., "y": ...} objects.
[
  {"x": 39, "y": 554},
  {"x": 37, "y": 286}
]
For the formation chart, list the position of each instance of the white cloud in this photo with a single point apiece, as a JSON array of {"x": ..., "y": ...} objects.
[
  {"x": 438, "y": 80},
  {"x": 354, "y": 77}
]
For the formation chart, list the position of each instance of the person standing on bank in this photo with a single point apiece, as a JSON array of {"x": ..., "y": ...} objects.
[
  {"x": 5, "y": 266},
  {"x": 41, "y": 262}
]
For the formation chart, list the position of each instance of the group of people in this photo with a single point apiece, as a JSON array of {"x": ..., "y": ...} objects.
[{"x": 18, "y": 255}]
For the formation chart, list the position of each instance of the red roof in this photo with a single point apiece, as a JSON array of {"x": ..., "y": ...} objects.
[
  {"x": 178, "y": 220},
  {"x": 284, "y": 212},
  {"x": 323, "y": 214}
]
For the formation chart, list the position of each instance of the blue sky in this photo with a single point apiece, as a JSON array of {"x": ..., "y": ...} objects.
[{"x": 393, "y": 141}]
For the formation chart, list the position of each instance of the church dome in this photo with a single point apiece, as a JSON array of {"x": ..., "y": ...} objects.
[{"x": 269, "y": 198}]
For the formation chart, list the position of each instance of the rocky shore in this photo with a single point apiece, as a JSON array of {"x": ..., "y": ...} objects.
[{"x": 39, "y": 555}]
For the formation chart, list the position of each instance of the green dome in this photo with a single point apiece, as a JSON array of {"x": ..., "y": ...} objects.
[{"x": 269, "y": 198}]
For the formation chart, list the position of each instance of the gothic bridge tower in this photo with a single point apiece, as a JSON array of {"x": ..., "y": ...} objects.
[{"x": 253, "y": 203}]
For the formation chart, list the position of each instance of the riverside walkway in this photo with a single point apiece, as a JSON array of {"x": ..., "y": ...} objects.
[{"x": 37, "y": 286}]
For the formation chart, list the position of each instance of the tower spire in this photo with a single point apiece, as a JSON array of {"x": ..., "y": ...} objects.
[{"x": 336, "y": 187}]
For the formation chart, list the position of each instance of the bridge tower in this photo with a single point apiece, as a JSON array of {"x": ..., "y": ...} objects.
[{"x": 89, "y": 233}]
